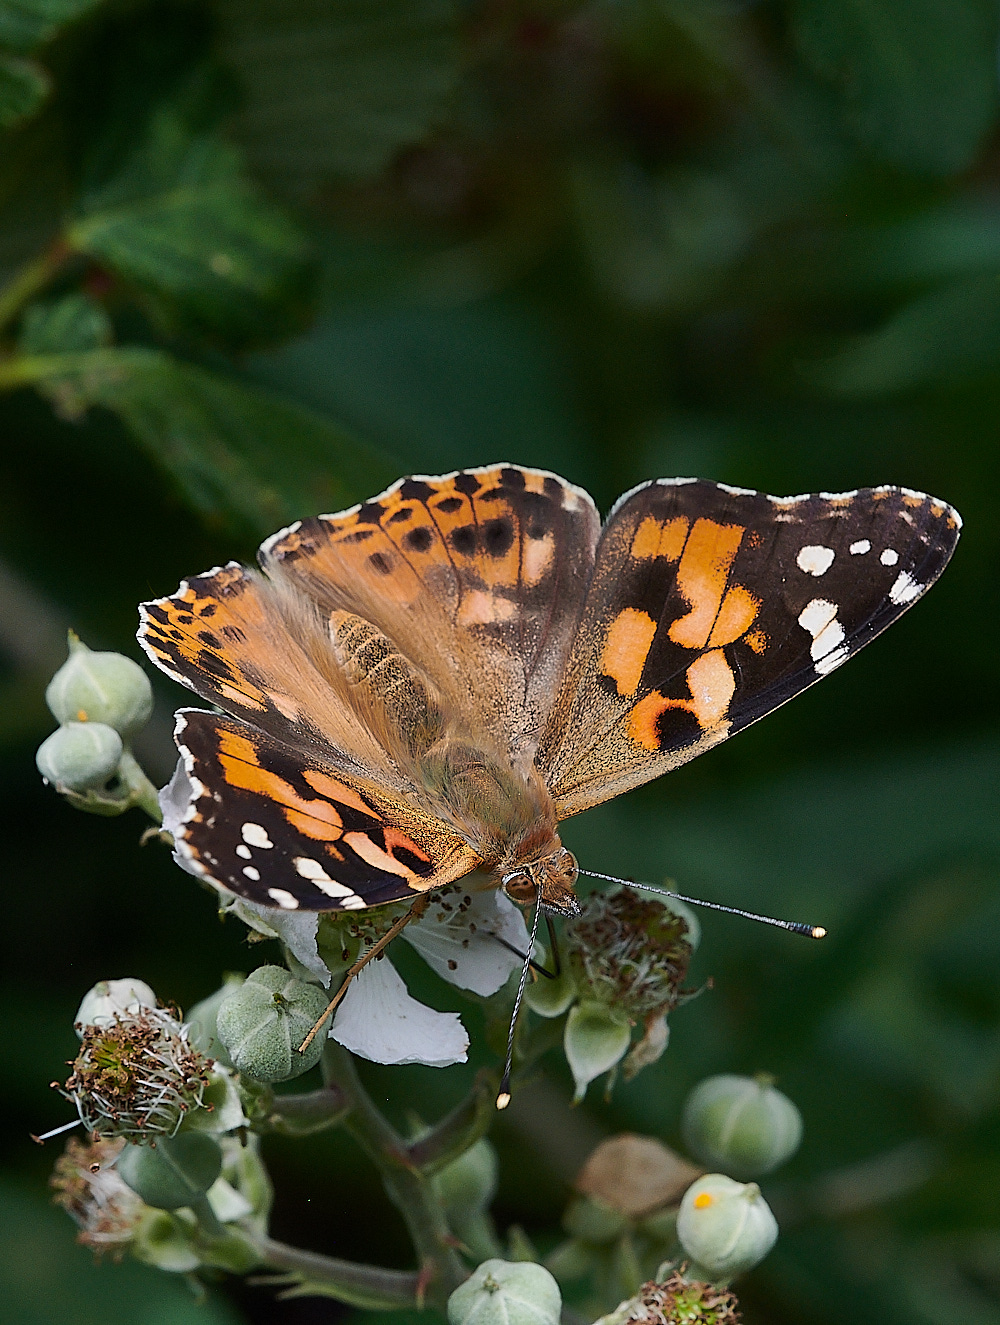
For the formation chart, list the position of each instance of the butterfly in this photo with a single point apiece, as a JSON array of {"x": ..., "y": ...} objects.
[{"x": 430, "y": 682}]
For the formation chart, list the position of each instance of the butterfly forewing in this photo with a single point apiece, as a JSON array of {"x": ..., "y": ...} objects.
[
  {"x": 477, "y": 576},
  {"x": 282, "y": 831},
  {"x": 710, "y": 606}
]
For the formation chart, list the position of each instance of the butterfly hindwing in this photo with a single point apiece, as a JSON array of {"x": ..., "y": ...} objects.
[
  {"x": 710, "y": 606},
  {"x": 281, "y": 830}
]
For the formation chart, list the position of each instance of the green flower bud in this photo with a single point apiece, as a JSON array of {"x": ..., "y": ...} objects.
[
  {"x": 595, "y": 1039},
  {"x": 100, "y": 687},
  {"x": 167, "y": 1242},
  {"x": 109, "y": 1000},
  {"x": 593, "y": 1221},
  {"x": 469, "y": 1183},
  {"x": 550, "y": 996},
  {"x": 176, "y": 1171},
  {"x": 201, "y": 1021},
  {"x": 506, "y": 1293},
  {"x": 263, "y": 1022},
  {"x": 80, "y": 756},
  {"x": 741, "y": 1125},
  {"x": 725, "y": 1226}
]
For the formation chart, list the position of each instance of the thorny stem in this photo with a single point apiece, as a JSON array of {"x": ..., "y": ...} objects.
[
  {"x": 441, "y": 1270},
  {"x": 308, "y": 1112},
  {"x": 459, "y": 1130},
  {"x": 368, "y": 1286}
]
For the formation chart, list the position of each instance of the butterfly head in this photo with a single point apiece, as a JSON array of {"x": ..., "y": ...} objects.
[{"x": 549, "y": 880}]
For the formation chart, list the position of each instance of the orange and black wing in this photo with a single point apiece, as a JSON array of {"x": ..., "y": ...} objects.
[
  {"x": 710, "y": 606},
  {"x": 253, "y": 816}
]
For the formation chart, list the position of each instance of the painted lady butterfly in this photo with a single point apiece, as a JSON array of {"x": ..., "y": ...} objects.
[{"x": 429, "y": 682}]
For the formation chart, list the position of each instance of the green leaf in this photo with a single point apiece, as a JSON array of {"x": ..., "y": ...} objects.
[
  {"x": 208, "y": 252},
  {"x": 237, "y": 453},
  {"x": 64, "y": 326},
  {"x": 24, "y": 85},
  {"x": 916, "y": 78},
  {"x": 25, "y": 24},
  {"x": 338, "y": 89},
  {"x": 949, "y": 333}
]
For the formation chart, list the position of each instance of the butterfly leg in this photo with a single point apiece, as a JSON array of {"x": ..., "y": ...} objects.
[{"x": 415, "y": 912}]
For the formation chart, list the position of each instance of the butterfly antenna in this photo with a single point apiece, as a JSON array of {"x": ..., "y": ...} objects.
[
  {"x": 503, "y": 1098},
  {"x": 793, "y": 926}
]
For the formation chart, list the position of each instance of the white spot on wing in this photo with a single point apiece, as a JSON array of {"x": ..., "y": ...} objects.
[
  {"x": 815, "y": 559},
  {"x": 819, "y": 617},
  {"x": 244, "y": 852},
  {"x": 313, "y": 871},
  {"x": 256, "y": 835},
  {"x": 251, "y": 873},
  {"x": 889, "y": 557},
  {"x": 284, "y": 899},
  {"x": 906, "y": 589},
  {"x": 859, "y": 548}
]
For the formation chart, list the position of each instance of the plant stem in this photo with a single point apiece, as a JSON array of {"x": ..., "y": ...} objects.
[
  {"x": 459, "y": 1130},
  {"x": 141, "y": 790},
  {"x": 311, "y": 1111},
  {"x": 367, "y": 1286},
  {"x": 31, "y": 280},
  {"x": 441, "y": 1270}
]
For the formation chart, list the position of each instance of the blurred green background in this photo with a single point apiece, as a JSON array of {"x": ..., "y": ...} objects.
[{"x": 258, "y": 259}]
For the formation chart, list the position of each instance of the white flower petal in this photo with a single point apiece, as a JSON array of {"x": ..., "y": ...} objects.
[
  {"x": 296, "y": 929},
  {"x": 459, "y": 941},
  {"x": 378, "y": 1020}
]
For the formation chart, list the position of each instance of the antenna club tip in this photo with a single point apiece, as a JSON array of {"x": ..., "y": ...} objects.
[
  {"x": 503, "y": 1099},
  {"x": 818, "y": 932}
]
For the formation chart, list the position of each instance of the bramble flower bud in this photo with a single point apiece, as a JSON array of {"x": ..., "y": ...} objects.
[
  {"x": 101, "y": 688},
  {"x": 166, "y": 1241},
  {"x": 634, "y": 1175},
  {"x": 137, "y": 1077},
  {"x": 506, "y": 1293},
  {"x": 550, "y": 996},
  {"x": 741, "y": 1125},
  {"x": 80, "y": 756},
  {"x": 595, "y": 1039},
  {"x": 677, "y": 1300},
  {"x": 725, "y": 1226},
  {"x": 102, "y": 1004},
  {"x": 468, "y": 1184},
  {"x": 263, "y": 1022},
  {"x": 201, "y": 1020},
  {"x": 89, "y": 1188},
  {"x": 176, "y": 1171}
]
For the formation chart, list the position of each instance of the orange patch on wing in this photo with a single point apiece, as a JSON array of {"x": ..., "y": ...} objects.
[
  {"x": 316, "y": 819},
  {"x": 653, "y": 539},
  {"x": 701, "y": 578},
  {"x": 336, "y": 791},
  {"x": 370, "y": 851},
  {"x": 712, "y": 685},
  {"x": 625, "y": 648},
  {"x": 757, "y": 641},
  {"x": 736, "y": 615},
  {"x": 394, "y": 838}
]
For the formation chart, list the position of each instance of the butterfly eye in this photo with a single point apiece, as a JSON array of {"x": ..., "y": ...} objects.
[{"x": 520, "y": 887}]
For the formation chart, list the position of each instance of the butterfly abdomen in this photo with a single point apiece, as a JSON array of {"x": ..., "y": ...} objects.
[{"x": 383, "y": 684}]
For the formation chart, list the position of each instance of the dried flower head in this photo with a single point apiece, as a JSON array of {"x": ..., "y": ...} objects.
[
  {"x": 631, "y": 952},
  {"x": 86, "y": 1184},
  {"x": 678, "y": 1301},
  {"x": 137, "y": 1076}
]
